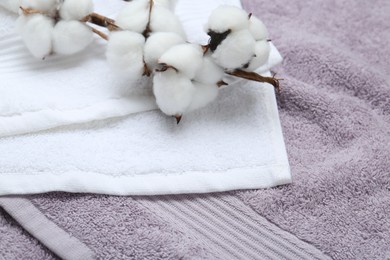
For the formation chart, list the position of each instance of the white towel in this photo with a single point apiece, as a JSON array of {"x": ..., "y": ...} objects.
[{"x": 235, "y": 143}]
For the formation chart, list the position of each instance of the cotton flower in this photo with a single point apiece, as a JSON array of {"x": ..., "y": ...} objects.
[
  {"x": 226, "y": 18},
  {"x": 236, "y": 50},
  {"x": 209, "y": 72},
  {"x": 258, "y": 29},
  {"x": 135, "y": 16},
  {"x": 203, "y": 95},
  {"x": 157, "y": 44},
  {"x": 173, "y": 91},
  {"x": 36, "y": 31},
  {"x": 75, "y": 9},
  {"x": 262, "y": 51},
  {"x": 11, "y": 5},
  {"x": 125, "y": 53},
  {"x": 70, "y": 37},
  {"x": 185, "y": 58},
  {"x": 164, "y": 20}
]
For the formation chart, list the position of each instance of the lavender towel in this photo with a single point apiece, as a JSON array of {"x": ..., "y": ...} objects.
[{"x": 334, "y": 110}]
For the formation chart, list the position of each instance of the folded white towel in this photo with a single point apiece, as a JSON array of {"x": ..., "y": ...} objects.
[{"x": 235, "y": 143}]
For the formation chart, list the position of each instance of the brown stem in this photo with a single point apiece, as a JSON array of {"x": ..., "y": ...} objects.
[
  {"x": 101, "y": 34},
  {"x": 256, "y": 77},
  {"x": 178, "y": 118},
  {"x": 147, "y": 71},
  {"x": 27, "y": 11},
  {"x": 205, "y": 48},
  {"x": 221, "y": 83},
  {"x": 147, "y": 30},
  {"x": 101, "y": 20}
]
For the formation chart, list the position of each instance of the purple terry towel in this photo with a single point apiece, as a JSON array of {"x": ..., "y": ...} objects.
[{"x": 334, "y": 108}]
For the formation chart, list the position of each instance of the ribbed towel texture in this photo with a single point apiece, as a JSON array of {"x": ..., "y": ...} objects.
[{"x": 235, "y": 143}]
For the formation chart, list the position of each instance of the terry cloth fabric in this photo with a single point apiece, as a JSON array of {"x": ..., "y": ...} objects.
[
  {"x": 209, "y": 226},
  {"x": 335, "y": 113},
  {"x": 235, "y": 143}
]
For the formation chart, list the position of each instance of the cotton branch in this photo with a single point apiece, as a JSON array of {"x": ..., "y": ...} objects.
[
  {"x": 101, "y": 20},
  {"x": 256, "y": 77}
]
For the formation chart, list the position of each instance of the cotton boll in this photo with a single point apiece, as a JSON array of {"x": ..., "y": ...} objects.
[
  {"x": 262, "y": 51},
  {"x": 236, "y": 50},
  {"x": 135, "y": 16},
  {"x": 227, "y": 18},
  {"x": 164, "y": 20},
  {"x": 186, "y": 58},
  {"x": 203, "y": 95},
  {"x": 11, "y": 5},
  {"x": 125, "y": 53},
  {"x": 70, "y": 37},
  {"x": 157, "y": 44},
  {"x": 209, "y": 72},
  {"x": 173, "y": 91},
  {"x": 258, "y": 29},
  {"x": 36, "y": 31},
  {"x": 75, "y": 9}
]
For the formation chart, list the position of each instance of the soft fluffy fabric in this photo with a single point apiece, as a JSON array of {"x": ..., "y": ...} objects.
[
  {"x": 334, "y": 109},
  {"x": 210, "y": 226},
  {"x": 334, "y": 106},
  {"x": 144, "y": 154},
  {"x": 40, "y": 94},
  {"x": 16, "y": 243}
]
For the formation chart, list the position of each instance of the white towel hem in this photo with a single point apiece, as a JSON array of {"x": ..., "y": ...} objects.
[{"x": 150, "y": 184}]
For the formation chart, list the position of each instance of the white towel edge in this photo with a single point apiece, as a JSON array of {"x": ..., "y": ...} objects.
[
  {"x": 150, "y": 184},
  {"x": 30, "y": 122}
]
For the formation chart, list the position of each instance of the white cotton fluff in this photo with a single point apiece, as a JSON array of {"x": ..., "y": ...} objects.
[
  {"x": 170, "y": 4},
  {"x": 258, "y": 29},
  {"x": 70, "y": 37},
  {"x": 187, "y": 58},
  {"x": 125, "y": 53},
  {"x": 11, "y": 5},
  {"x": 157, "y": 44},
  {"x": 173, "y": 91},
  {"x": 262, "y": 51},
  {"x": 36, "y": 31},
  {"x": 209, "y": 73},
  {"x": 203, "y": 95},
  {"x": 236, "y": 50},
  {"x": 164, "y": 20},
  {"x": 227, "y": 17},
  {"x": 75, "y": 9},
  {"x": 41, "y": 5},
  {"x": 134, "y": 16}
]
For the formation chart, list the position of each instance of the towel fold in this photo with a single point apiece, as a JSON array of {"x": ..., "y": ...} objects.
[{"x": 235, "y": 143}]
